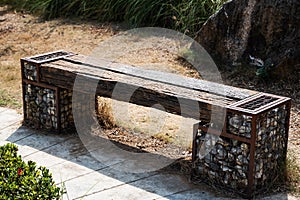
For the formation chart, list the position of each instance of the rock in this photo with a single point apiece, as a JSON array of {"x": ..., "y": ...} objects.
[
  {"x": 228, "y": 163},
  {"x": 264, "y": 29},
  {"x": 41, "y": 112}
]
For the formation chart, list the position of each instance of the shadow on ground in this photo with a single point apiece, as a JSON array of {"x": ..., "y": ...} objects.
[{"x": 84, "y": 177}]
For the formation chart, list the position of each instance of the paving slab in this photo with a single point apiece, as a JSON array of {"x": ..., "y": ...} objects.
[
  {"x": 2, "y": 143},
  {"x": 125, "y": 192},
  {"x": 68, "y": 149},
  {"x": 194, "y": 194},
  {"x": 87, "y": 160},
  {"x": 151, "y": 187},
  {"x": 26, "y": 150},
  {"x": 123, "y": 176},
  {"x": 2, "y": 109},
  {"x": 42, "y": 140},
  {"x": 79, "y": 165},
  {"x": 67, "y": 171},
  {"x": 84, "y": 177},
  {"x": 43, "y": 159},
  {"x": 90, "y": 183},
  {"x": 100, "y": 180},
  {"x": 9, "y": 117},
  {"x": 14, "y": 133}
]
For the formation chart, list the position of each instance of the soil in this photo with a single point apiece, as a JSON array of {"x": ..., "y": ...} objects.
[
  {"x": 141, "y": 143},
  {"x": 23, "y": 35}
]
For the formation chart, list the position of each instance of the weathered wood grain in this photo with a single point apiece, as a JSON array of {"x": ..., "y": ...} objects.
[
  {"x": 179, "y": 95},
  {"x": 168, "y": 78}
]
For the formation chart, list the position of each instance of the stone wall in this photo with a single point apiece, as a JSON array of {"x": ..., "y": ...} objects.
[
  {"x": 230, "y": 163},
  {"x": 41, "y": 109}
]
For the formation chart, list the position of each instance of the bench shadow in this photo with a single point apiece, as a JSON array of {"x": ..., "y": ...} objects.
[{"x": 68, "y": 148}]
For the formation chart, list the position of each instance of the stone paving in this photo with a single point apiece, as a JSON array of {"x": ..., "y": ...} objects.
[{"x": 83, "y": 177}]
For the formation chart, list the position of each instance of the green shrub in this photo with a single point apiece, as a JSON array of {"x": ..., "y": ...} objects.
[{"x": 20, "y": 180}]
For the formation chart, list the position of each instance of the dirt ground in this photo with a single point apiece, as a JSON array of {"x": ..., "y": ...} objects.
[{"x": 23, "y": 35}]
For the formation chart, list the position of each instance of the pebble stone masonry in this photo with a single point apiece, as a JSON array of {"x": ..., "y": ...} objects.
[
  {"x": 45, "y": 106},
  {"x": 246, "y": 158},
  {"x": 251, "y": 151}
]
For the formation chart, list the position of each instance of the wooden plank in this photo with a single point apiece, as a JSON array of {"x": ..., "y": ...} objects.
[
  {"x": 68, "y": 72},
  {"x": 167, "y": 78},
  {"x": 148, "y": 93}
]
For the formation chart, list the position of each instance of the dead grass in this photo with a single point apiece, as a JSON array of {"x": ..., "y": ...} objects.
[
  {"x": 293, "y": 172},
  {"x": 104, "y": 115},
  {"x": 7, "y": 101},
  {"x": 23, "y": 35},
  {"x": 164, "y": 137},
  {"x": 159, "y": 59}
]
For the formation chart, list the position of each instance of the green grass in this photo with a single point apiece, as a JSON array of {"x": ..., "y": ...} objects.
[{"x": 186, "y": 16}]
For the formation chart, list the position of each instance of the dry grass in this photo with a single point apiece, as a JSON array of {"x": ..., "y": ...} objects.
[
  {"x": 164, "y": 137},
  {"x": 159, "y": 59},
  {"x": 23, "y": 35},
  {"x": 293, "y": 172},
  {"x": 104, "y": 115},
  {"x": 149, "y": 121}
]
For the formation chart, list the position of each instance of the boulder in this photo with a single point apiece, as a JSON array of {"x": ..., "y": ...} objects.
[{"x": 264, "y": 29}]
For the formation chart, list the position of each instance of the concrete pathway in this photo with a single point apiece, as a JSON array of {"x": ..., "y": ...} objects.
[{"x": 84, "y": 177}]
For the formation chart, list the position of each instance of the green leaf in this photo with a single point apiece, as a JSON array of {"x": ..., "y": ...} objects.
[{"x": 33, "y": 183}]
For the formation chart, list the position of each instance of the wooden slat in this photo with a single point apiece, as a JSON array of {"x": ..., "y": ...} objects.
[
  {"x": 67, "y": 72},
  {"x": 148, "y": 87},
  {"x": 167, "y": 78},
  {"x": 148, "y": 93}
]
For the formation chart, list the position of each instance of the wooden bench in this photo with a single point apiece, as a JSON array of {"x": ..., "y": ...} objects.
[{"x": 251, "y": 119}]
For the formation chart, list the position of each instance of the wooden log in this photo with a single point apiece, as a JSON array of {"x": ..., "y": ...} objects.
[
  {"x": 145, "y": 87},
  {"x": 168, "y": 78}
]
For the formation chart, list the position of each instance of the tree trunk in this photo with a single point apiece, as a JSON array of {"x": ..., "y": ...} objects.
[{"x": 265, "y": 29}]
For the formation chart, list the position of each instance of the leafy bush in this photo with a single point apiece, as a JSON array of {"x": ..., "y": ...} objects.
[
  {"x": 20, "y": 180},
  {"x": 183, "y": 15}
]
